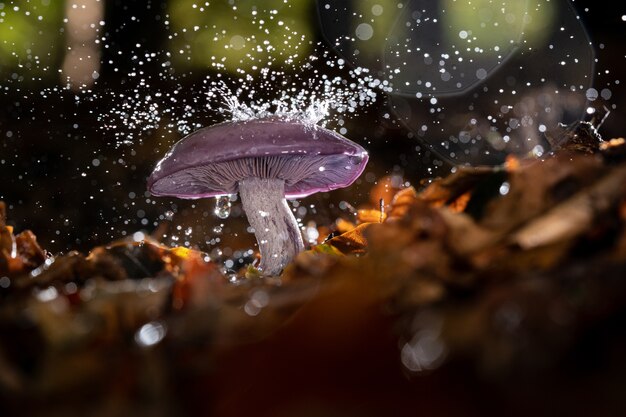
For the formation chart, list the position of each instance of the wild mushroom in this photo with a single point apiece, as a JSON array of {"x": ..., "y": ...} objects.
[{"x": 265, "y": 161}]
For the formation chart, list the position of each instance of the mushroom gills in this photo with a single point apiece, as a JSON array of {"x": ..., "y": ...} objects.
[{"x": 275, "y": 227}]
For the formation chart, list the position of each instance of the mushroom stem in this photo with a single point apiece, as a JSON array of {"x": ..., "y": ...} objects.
[{"x": 275, "y": 227}]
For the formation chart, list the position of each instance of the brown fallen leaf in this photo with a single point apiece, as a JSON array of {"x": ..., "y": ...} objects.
[
  {"x": 576, "y": 215},
  {"x": 614, "y": 150},
  {"x": 199, "y": 283},
  {"x": 612, "y": 144},
  {"x": 444, "y": 191},
  {"x": 511, "y": 163},
  {"x": 3, "y": 214},
  {"x": 19, "y": 254},
  {"x": 537, "y": 186},
  {"x": 413, "y": 245},
  {"x": 370, "y": 216},
  {"x": 465, "y": 237},
  {"x": 401, "y": 202},
  {"x": 579, "y": 137},
  {"x": 385, "y": 189},
  {"x": 8, "y": 248},
  {"x": 29, "y": 250},
  {"x": 352, "y": 242},
  {"x": 312, "y": 263},
  {"x": 460, "y": 203},
  {"x": 343, "y": 226}
]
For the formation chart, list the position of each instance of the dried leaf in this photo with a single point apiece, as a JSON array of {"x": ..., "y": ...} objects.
[
  {"x": 370, "y": 216},
  {"x": 3, "y": 214},
  {"x": 460, "y": 204},
  {"x": 421, "y": 293},
  {"x": 19, "y": 254},
  {"x": 312, "y": 263},
  {"x": 29, "y": 250},
  {"x": 136, "y": 260},
  {"x": 414, "y": 245},
  {"x": 614, "y": 150},
  {"x": 465, "y": 237},
  {"x": 401, "y": 203},
  {"x": 535, "y": 187},
  {"x": 578, "y": 137},
  {"x": 344, "y": 226},
  {"x": 199, "y": 282},
  {"x": 327, "y": 249},
  {"x": 352, "y": 242},
  {"x": 71, "y": 267},
  {"x": 385, "y": 189},
  {"x": 446, "y": 190},
  {"x": 604, "y": 146},
  {"x": 511, "y": 163},
  {"x": 576, "y": 215},
  {"x": 8, "y": 250}
]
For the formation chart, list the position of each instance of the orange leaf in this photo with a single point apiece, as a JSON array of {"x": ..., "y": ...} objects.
[
  {"x": 612, "y": 143},
  {"x": 3, "y": 214},
  {"x": 344, "y": 226},
  {"x": 199, "y": 282},
  {"x": 370, "y": 216},
  {"x": 401, "y": 203},
  {"x": 511, "y": 163},
  {"x": 458, "y": 205},
  {"x": 352, "y": 242},
  {"x": 446, "y": 190}
]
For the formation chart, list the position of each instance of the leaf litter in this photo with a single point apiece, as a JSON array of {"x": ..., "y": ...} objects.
[{"x": 491, "y": 274}]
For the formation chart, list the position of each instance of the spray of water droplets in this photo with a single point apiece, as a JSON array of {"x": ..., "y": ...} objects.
[
  {"x": 267, "y": 68},
  {"x": 305, "y": 94}
]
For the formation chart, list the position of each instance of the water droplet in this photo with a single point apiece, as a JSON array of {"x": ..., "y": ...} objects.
[
  {"x": 5, "y": 282},
  {"x": 222, "y": 207},
  {"x": 138, "y": 236},
  {"x": 150, "y": 334},
  {"x": 504, "y": 188},
  {"x": 364, "y": 31}
]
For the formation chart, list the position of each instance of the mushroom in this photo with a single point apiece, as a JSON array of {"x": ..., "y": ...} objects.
[{"x": 265, "y": 161}]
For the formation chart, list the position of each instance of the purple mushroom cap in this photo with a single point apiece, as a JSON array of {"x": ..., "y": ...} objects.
[{"x": 210, "y": 161}]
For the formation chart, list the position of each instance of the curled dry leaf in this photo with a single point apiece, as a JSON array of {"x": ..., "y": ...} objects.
[
  {"x": 401, "y": 203},
  {"x": 578, "y": 137},
  {"x": 577, "y": 214},
  {"x": 444, "y": 191},
  {"x": 385, "y": 189},
  {"x": 614, "y": 150},
  {"x": 352, "y": 242},
  {"x": 198, "y": 282},
  {"x": 370, "y": 216},
  {"x": 535, "y": 187},
  {"x": 343, "y": 226},
  {"x": 18, "y": 254}
]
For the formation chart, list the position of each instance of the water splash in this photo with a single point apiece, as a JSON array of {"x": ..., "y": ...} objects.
[
  {"x": 278, "y": 72},
  {"x": 310, "y": 97},
  {"x": 302, "y": 93}
]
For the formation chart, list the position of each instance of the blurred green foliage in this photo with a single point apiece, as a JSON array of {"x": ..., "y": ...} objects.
[
  {"x": 240, "y": 34},
  {"x": 30, "y": 35},
  {"x": 376, "y": 18},
  {"x": 484, "y": 25}
]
